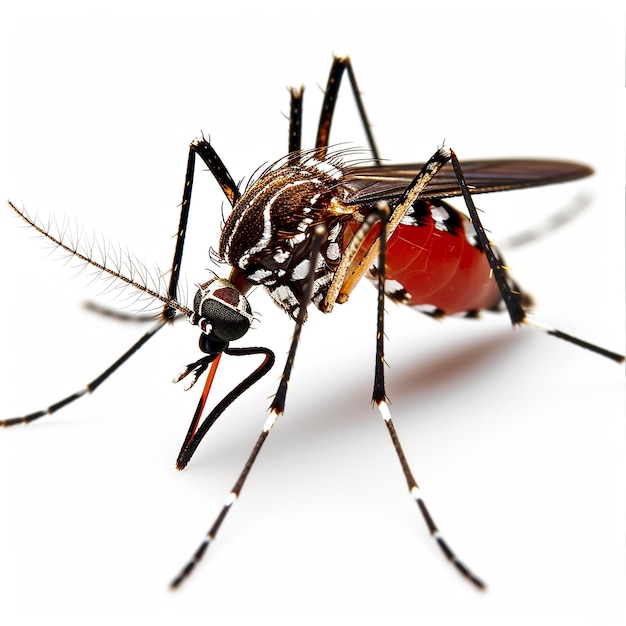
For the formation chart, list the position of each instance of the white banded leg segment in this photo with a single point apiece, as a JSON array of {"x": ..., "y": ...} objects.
[
  {"x": 204, "y": 544},
  {"x": 445, "y": 548},
  {"x": 270, "y": 421},
  {"x": 384, "y": 411},
  {"x": 415, "y": 493},
  {"x": 232, "y": 496}
]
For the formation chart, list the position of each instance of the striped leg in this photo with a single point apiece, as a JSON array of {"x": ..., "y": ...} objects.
[
  {"x": 172, "y": 307},
  {"x": 339, "y": 66},
  {"x": 276, "y": 410},
  {"x": 379, "y": 398},
  {"x": 512, "y": 300},
  {"x": 90, "y": 387},
  {"x": 331, "y": 93}
]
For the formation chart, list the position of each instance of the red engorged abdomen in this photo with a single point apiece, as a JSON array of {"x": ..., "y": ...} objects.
[{"x": 440, "y": 269}]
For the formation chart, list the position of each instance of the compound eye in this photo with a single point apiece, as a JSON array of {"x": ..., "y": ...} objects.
[{"x": 224, "y": 307}]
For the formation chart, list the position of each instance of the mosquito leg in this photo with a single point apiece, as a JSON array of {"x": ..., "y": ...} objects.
[
  {"x": 341, "y": 64},
  {"x": 205, "y": 151},
  {"x": 168, "y": 314},
  {"x": 90, "y": 387},
  {"x": 295, "y": 119},
  {"x": 276, "y": 409},
  {"x": 380, "y": 399},
  {"x": 122, "y": 316},
  {"x": 511, "y": 299},
  {"x": 416, "y": 494},
  {"x": 217, "y": 168}
]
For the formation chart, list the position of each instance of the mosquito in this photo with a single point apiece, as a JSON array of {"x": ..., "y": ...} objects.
[{"x": 308, "y": 229}]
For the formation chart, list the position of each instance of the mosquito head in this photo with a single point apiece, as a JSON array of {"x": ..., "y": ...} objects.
[{"x": 220, "y": 309}]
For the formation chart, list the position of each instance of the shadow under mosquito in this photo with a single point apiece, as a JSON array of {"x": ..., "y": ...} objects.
[
  {"x": 445, "y": 366},
  {"x": 432, "y": 374}
]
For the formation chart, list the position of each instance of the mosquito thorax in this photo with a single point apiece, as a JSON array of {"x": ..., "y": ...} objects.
[
  {"x": 221, "y": 310},
  {"x": 269, "y": 234}
]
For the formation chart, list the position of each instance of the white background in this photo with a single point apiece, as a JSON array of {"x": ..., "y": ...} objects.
[{"x": 516, "y": 438}]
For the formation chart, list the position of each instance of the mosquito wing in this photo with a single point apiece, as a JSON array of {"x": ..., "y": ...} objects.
[{"x": 385, "y": 182}]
